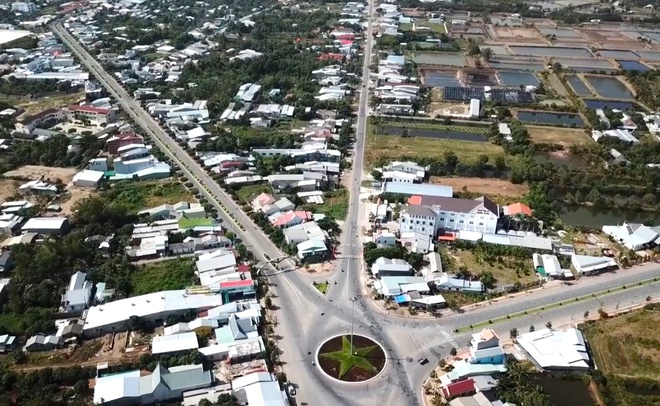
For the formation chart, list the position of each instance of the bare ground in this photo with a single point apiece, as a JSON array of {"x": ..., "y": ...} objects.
[
  {"x": 490, "y": 187},
  {"x": 8, "y": 188},
  {"x": 553, "y": 135},
  {"x": 35, "y": 172},
  {"x": 69, "y": 200}
]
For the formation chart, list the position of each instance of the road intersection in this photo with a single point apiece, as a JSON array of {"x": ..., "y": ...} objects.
[{"x": 301, "y": 327}]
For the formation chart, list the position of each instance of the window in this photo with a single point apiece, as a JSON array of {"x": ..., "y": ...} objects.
[
  {"x": 461, "y": 221},
  {"x": 442, "y": 219}
]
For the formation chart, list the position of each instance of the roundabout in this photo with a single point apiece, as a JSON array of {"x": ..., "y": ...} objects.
[{"x": 351, "y": 358}]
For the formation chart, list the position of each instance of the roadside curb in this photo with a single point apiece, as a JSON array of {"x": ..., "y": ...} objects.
[{"x": 541, "y": 309}]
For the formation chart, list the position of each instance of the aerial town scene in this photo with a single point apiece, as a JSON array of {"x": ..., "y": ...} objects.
[{"x": 288, "y": 203}]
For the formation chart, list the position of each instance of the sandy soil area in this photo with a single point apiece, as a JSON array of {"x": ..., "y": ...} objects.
[
  {"x": 35, "y": 172},
  {"x": 497, "y": 187}
]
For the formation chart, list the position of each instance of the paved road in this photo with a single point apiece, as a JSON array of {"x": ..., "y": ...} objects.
[{"x": 301, "y": 325}]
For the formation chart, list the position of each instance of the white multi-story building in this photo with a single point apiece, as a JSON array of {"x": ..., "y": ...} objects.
[
  {"x": 23, "y": 7},
  {"x": 450, "y": 214}
]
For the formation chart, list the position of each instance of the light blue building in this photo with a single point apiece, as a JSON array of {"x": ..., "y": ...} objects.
[{"x": 485, "y": 348}]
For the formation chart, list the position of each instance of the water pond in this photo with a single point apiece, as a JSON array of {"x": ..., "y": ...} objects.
[
  {"x": 592, "y": 217},
  {"x": 560, "y": 32},
  {"x": 584, "y": 63},
  {"x": 438, "y": 59},
  {"x": 516, "y": 79},
  {"x": 428, "y": 133},
  {"x": 514, "y": 65},
  {"x": 608, "y": 53},
  {"x": 565, "y": 391},
  {"x": 542, "y": 117},
  {"x": 579, "y": 87},
  {"x": 609, "y": 104},
  {"x": 609, "y": 87},
  {"x": 633, "y": 65},
  {"x": 651, "y": 56},
  {"x": 550, "y": 51},
  {"x": 441, "y": 79}
]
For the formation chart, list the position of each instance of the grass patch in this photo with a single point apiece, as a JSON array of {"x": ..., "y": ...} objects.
[
  {"x": 348, "y": 359},
  {"x": 392, "y": 147},
  {"x": 627, "y": 344},
  {"x": 135, "y": 196},
  {"x": 506, "y": 270},
  {"x": 457, "y": 300},
  {"x": 163, "y": 275},
  {"x": 195, "y": 222},
  {"x": 551, "y": 135},
  {"x": 247, "y": 193},
  {"x": 434, "y": 125},
  {"x": 321, "y": 287},
  {"x": 335, "y": 204}
]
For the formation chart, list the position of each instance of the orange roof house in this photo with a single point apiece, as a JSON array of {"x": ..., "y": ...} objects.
[{"x": 517, "y": 208}]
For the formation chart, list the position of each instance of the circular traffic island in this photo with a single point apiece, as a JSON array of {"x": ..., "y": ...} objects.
[{"x": 359, "y": 363}]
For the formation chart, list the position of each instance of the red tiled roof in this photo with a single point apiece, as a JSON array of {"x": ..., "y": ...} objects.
[
  {"x": 88, "y": 109},
  {"x": 236, "y": 284},
  {"x": 518, "y": 208},
  {"x": 327, "y": 57},
  {"x": 243, "y": 268},
  {"x": 346, "y": 42},
  {"x": 458, "y": 388},
  {"x": 415, "y": 200}
]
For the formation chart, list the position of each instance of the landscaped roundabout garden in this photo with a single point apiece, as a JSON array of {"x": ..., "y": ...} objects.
[{"x": 365, "y": 362}]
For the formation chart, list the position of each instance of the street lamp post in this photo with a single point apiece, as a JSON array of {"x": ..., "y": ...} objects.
[{"x": 353, "y": 299}]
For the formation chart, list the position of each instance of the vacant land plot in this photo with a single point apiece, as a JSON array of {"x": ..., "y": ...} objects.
[
  {"x": 391, "y": 147},
  {"x": 33, "y": 107},
  {"x": 627, "y": 344},
  {"x": 506, "y": 270},
  {"x": 335, "y": 204},
  {"x": 488, "y": 187},
  {"x": 8, "y": 188},
  {"x": 515, "y": 33},
  {"x": 163, "y": 275},
  {"x": 45, "y": 172},
  {"x": 69, "y": 200},
  {"x": 247, "y": 193},
  {"x": 135, "y": 196},
  {"x": 552, "y": 135}
]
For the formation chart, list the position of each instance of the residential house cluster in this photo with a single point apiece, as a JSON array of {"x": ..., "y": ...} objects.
[
  {"x": 471, "y": 381},
  {"x": 333, "y": 80}
]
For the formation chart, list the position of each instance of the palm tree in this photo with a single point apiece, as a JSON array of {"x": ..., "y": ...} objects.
[
  {"x": 531, "y": 329},
  {"x": 548, "y": 325},
  {"x": 586, "y": 314},
  {"x": 513, "y": 333}
]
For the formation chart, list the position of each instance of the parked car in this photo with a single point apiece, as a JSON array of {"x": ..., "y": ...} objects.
[{"x": 423, "y": 361}]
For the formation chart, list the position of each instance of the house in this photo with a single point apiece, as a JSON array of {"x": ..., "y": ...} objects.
[
  {"x": 161, "y": 385},
  {"x": 122, "y": 140},
  {"x": 396, "y": 285},
  {"x": 384, "y": 238},
  {"x": 417, "y": 242},
  {"x": 407, "y": 167},
  {"x": 151, "y": 308},
  {"x": 485, "y": 348},
  {"x": 623, "y": 135},
  {"x": 95, "y": 115},
  {"x": 459, "y": 388},
  {"x": 198, "y": 326},
  {"x": 38, "y": 187},
  {"x": 41, "y": 342},
  {"x": 279, "y": 206},
  {"x": 174, "y": 343},
  {"x": 290, "y": 218},
  {"x": 147, "y": 167},
  {"x": 633, "y": 236},
  {"x": 390, "y": 267},
  {"x": 505, "y": 131},
  {"x": 547, "y": 267},
  {"x": 29, "y": 123},
  {"x": 259, "y": 388},
  {"x": 517, "y": 209},
  {"x": 88, "y": 178},
  {"x": 46, "y": 225},
  {"x": 78, "y": 294},
  {"x": 312, "y": 250},
  {"x": 7, "y": 343},
  {"x": 590, "y": 265},
  {"x": 6, "y": 263},
  {"x": 451, "y": 283},
  {"x": 556, "y": 350},
  {"x": 443, "y": 213},
  {"x": 414, "y": 189},
  {"x": 309, "y": 231}
]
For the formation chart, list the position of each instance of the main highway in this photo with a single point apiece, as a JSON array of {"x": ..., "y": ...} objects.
[{"x": 304, "y": 318}]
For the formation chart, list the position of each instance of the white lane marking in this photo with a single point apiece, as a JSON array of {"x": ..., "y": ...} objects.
[
  {"x": 449, "y": 338},
  {"x": 292, "y": 288}
]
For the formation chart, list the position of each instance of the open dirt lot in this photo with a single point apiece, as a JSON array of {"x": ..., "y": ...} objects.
[
  {"x": 552, "y": 135},
  {"x": 627, "y": 344},
  {"x": 69, "y": 200},
  {"x": 8, "y": 188},
  {"x": 515, "y": 34},
  {"x": 448, "y": 109},
  {"x": 35, "y": 172},
  {"x": 489, "y": 187},
  {"x": 612, "y": 39},
  {"x": 504, "y": 273}
]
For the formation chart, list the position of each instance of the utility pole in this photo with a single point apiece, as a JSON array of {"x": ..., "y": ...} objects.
[{"x": 353, "y": 299}]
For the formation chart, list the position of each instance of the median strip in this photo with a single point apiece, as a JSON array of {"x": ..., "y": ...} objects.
[{"x": 538, "y": 310}]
